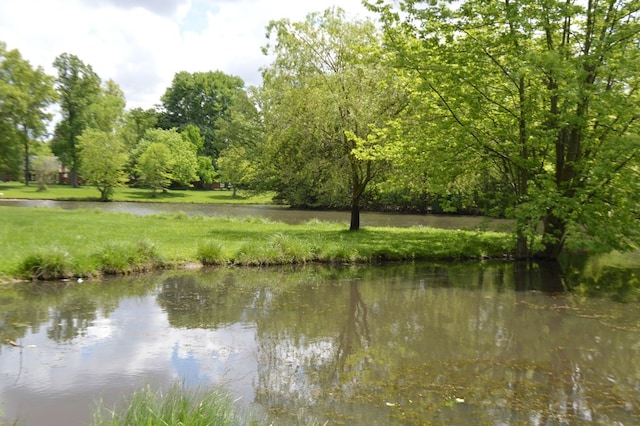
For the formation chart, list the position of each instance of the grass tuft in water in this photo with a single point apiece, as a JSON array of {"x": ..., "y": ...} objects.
[{"x": 175, "y": 406}]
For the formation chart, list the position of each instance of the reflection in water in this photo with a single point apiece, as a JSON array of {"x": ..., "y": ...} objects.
[{"x": 482, "y": 343}]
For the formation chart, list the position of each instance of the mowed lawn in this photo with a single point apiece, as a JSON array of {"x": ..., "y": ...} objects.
[
  {"x": 92, "y": 242},
  {"x": 88, "y": 193}
]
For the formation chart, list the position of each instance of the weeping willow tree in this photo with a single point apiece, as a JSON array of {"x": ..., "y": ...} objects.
[{"x": 325, "y": 97}]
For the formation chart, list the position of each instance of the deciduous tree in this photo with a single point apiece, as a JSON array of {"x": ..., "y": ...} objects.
[
  {"x": 200, "y": 99},
  {"x": 546, "y": 93},
  {"x": 155, "y": 165},
  {"x": 25, "y": 94},
  {"x": 102, "y": 161},
  {"x": 78, "y": 87},
  {"x": 326, "y": 96},
  {"x": 184, "y": 161}
]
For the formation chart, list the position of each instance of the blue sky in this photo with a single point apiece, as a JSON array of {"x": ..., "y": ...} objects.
[{"x": 141, "y": 44}]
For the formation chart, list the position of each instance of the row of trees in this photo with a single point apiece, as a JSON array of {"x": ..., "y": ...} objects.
[
  {"x": 520, "y": 108},
  {"x": 525, "y": 108},
  {"x": 102, "y": 144}
]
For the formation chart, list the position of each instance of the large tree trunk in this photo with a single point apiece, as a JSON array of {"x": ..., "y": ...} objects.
[
  {"x": 554, "y": 235},
  {"x": 355, "y": 215},
  {"x": 522, "y": 246},
  {"x": 73, "y": 176}
]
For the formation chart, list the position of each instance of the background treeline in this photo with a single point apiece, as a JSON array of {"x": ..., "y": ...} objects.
[{"x": 523, "y": 109}]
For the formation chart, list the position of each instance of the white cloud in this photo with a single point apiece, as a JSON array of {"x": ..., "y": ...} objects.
[{"x": 141, "y": 44}]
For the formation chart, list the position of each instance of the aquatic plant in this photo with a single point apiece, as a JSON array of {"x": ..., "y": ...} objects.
[{"x": 177, "y": 405}]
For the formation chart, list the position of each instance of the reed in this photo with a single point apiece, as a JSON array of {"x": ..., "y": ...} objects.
[
  {"x": 175, "y": 406},
  {"x": 40, "y": 243}
]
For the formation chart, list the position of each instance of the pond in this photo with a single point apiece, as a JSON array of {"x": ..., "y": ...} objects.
[
  {"x": 277, "y": 213},
  {"x": 466, "y": 343}
]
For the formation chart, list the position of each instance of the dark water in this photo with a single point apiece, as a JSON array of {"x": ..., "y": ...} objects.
[
  {"x": 276, "y": 213},
  {"x": 471, "y": 343}
]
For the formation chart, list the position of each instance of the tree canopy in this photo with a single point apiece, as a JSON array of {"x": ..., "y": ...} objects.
[
  {"x": 103, "y": 159},
  {"x": 78, "y": 87},
  {"x": 326, "y": 97},
  {"x": 200, "y": 99},
  {"x": 546, "y": 94},
  {"x": 25, "y": 94}
]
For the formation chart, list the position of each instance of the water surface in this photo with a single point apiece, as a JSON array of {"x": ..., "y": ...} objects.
[
  {"x": 471, "y": 343},
  {"x": 276, "y": 213}
]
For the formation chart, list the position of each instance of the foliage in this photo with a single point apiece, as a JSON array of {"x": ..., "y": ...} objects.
[
  {"x": 206, "y": 172},
  {"x": 78, "y": 87},
  {"x": 106, "y": 113},
  {"x": 102, "y": 161},
  {"x": 183, "y": 164},
  {"x": 25, "y": 95},
  {"x": 155, "y": 166},
  {"x": 540, "y": 96},
  {"x": 242, "y": 125},
  {"x": 200, "y": 99},
  {"x": 136, "y": 122},
  {"x": 234, "y": 167},
  {"x": 46, "y": 169},
  {"x": 325, "y": 99}
]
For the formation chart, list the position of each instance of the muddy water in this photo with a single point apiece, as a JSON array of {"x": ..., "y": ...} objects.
[{"x": 472, "y": 343}]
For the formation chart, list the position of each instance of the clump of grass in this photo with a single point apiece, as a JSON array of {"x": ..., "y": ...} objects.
[
  {"x": 123, "y": 257},
  {"x": 47, "y": 264},
  {"x": 258, "y": 253},
  {"x": 292, "y": 249},
  {"x": 211, "y": 253},
  {"x": 176, "y": 406}
]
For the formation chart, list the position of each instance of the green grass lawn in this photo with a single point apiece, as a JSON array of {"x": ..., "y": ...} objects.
[
  {"x": 89, "y": 193},
  {"x": 54, "y": 243}
]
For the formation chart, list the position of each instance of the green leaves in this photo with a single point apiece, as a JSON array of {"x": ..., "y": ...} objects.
[
  {"x": 103, "y": 159},
  {"x": 537, "y": 96},
  {"x": 327, "y": 98}
]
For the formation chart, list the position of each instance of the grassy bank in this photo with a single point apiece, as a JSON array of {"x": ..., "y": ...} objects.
[
  {"x": 89, "y": 193},
  {"x": 50, "y": 243}
]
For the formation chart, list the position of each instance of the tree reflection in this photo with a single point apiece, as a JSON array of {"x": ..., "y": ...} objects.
[{"x": 482, "y": 343}]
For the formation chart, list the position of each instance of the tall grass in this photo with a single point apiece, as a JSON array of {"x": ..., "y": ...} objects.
[
  {"x": 40, "y": 243},
  {"x": 175, "y": 406}
]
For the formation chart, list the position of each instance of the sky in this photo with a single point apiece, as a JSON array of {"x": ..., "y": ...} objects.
[{"x": 141, "y": 44}]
